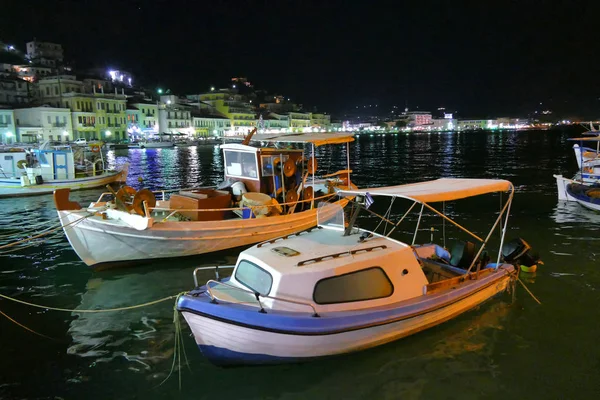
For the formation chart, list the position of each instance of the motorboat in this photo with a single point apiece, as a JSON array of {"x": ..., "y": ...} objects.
[
  {"x": 35, "y": 171},
  {"x": 588, "y": 163},
  {"x": 337, "y": 288},
  {"x": 585, "y": 195},
  {"x": 267, "y": 192}
]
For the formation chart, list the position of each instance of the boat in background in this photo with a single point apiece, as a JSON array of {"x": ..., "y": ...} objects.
[
  {"x": 588, "y": 162},
  {"x": 266, "y": 193},
  {"x": 339, "y": 289},
  {"x": 36, "y": 171},
  {"x": 585, "y": 195}
]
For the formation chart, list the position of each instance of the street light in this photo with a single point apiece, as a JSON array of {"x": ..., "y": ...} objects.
[
  {"x": 107, "y": 133},
  {"x": 159, "y": 91},
  {"x": 65, "y": 133},
  {"x": 212, "y": 88}
]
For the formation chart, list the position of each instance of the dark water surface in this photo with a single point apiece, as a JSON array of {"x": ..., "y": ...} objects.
[{"x": 502, "y": 349}]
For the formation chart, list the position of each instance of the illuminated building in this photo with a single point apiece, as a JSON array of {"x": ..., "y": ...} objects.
[
  {"x": 299, "y": 121},
  {"x": 173, "y": 117},
  {"x": 51, "y": 89},
  {"x": 234, "y": 107},
  {"x": 276, "y": 123},
  {"x": 210, "y": 125},
  {"x": 320, "y": 121},
  {"x": 120, "y": 76},
  {"x": 142, "y": 119},
  {"x": 45, "y": 53},
  {"x": 8, "y": 130},
  {"x": 37, "y": 124}
]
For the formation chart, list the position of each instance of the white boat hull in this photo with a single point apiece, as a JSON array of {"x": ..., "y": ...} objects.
[
  {"x": 225, "y": 343},
  {"x": 98, "y": 241},
  {"x": 12, "y": 187}
]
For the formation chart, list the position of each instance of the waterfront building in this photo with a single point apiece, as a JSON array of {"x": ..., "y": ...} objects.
[
  {"x": 299, "y": 121},
  {"x": 37, "y": 124},
  {"x": 111, "y": 119},
  {"x": 336, "y": 126},
  {"x": 475, "y": 124},
  {"x": 443, "y": 124},
  {"x": 50, "y": 90},
  {"x": 274, "y": 122},
  {"x": 14, "y": 91},
  {"x": 233, "y": 106},
  {"x": 210, "y": 125},
  {"x": 142, "y": 119},
  {"x": 7, "y": 126},
  {"x": 83, "y": 115},
  {"x": 174, "y": 117},
  {"x": 320, "y": 121},
  {"x": 417, "y": 118},
  {"x": 45, "y": 53}
]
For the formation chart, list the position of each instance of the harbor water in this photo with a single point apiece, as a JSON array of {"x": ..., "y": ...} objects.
[{"x": 505, "y": 348}]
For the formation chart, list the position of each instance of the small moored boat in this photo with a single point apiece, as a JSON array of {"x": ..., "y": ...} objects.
[
  {"x": 266, "y": 193},
  {"x": 338, "y": 289},
  {"x": 36, "y": 171},
  {"x": 585, "y": 195}
]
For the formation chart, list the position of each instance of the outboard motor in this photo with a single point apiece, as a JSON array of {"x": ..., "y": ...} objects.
[{"x": 516, "y": 252}]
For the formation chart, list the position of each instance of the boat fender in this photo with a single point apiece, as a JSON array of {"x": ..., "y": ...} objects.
[
  {"x": 95, "y": 148},
  {"x": 238, "y": 188}
]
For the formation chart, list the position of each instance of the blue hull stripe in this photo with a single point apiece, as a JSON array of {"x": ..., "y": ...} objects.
[
  {"x": 225, "y": 357},
  {"x": 294, "y": 323}
]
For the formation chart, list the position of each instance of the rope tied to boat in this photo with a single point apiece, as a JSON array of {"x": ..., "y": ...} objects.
[
  {"x": 45, "y": 233},
  {"x": 149, "y": 303}
]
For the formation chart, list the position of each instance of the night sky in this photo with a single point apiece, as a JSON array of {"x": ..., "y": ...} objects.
[{"x": 481, "y": 59}]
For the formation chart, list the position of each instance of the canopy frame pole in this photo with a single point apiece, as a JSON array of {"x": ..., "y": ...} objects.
[
  {"x": 453, "y": 222},
  {"x": 402, "y": 219},
  {"x": 507, "y": 205},
  {"x": 312, "y": 203},
  {"x": 418, "y": 223},
  {"x": 444, "y": 223},
  {"x": 348, "y": 162},
  {"x": 504, "y": 229}
]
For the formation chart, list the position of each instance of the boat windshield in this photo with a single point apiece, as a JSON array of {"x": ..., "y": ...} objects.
[
  {"x": 331, "y": 216},
  {"x": 241, "y": 164}
]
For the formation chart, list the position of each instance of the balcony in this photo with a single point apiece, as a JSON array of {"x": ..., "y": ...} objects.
[
  {"x": 3, "y": 125},
  {"x": 88, "y": 125},
  {"x": 59, "y": 124}
]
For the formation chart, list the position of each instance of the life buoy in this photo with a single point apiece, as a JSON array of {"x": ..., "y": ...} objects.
[{"x": 95, "y": 148}]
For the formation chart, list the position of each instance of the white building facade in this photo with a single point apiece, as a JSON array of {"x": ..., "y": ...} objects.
[
  {"x": 38, "y": 124},
  {"x": 7, "y": 126}
]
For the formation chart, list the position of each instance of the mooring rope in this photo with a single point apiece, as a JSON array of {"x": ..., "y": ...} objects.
[
  {"x": 44, "y": 233},
  {"x": 149, "y": 303},
  {"x": 24, "y": 327}
]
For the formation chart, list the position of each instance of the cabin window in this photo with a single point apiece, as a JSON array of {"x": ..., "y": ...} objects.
[
  {"x": 367, "y": 284},
  {"x": 254, "y": 277},
  {"x": 241, "y": 164}
]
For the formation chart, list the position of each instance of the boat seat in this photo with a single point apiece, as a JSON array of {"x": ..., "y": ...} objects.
[{"x": 463, "y": 254}]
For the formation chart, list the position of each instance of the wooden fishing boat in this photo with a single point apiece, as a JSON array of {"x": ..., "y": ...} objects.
[
  {"x": 337, "y": 289},
  {"x": 266, "y": 193},
  {"x": 27, "y": 172}
]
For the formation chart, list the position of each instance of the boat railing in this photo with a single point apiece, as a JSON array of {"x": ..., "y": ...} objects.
[
  {"x": 257, "y": 297},
  {"x": 215, "y": 267}
]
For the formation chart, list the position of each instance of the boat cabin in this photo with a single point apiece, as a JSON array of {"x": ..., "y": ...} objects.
[{"x": 264, "y": 169}]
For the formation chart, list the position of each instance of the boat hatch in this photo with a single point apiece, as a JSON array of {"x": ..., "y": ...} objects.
[{"x": 285, "y": 251}]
